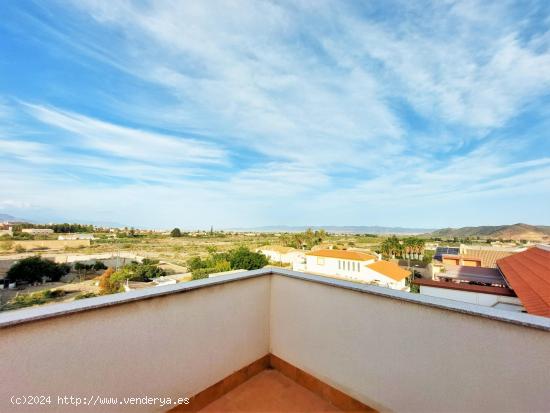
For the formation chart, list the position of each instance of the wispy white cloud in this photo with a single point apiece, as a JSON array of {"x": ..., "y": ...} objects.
[
  {"x": 341, "y": 110},
  {"x": 125, "y": 142}
]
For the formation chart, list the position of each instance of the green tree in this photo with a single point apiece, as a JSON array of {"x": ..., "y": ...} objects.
[
  {"x": 176, "y": 233},
  {"x": 307, "y": 239},
  {"x": 143, "y": 271},
  {"x": 195, "y": 263},
  {"x": 32, "y": 269},
  {"x": 391, "y": 247},
  {"x": 235, "y": 259},
  {"x": 408, "y": 247},
  {"x": 243, "y": 258},
  {"x": 81, "y": 267},
  {"x": 99, "y": 266},
  {"x": 427, "y": 257}
]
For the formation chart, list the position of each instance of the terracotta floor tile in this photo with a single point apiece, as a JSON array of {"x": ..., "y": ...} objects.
[{"x": 270, "y": 392}]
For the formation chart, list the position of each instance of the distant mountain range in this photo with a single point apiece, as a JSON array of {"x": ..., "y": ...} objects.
[
  {"x": 338, "y": 229},
  {"x": 11, "y": 218},
  {"x": 514, "y": 232},
  {"x": 507, "y": 232}
]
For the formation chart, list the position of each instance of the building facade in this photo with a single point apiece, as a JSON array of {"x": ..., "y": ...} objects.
[
  {"x": 65, "y": 237},
  {"x": 278, "y": 253},
  {"x": 356, "y": 266},
  {"x": 37, "y": 231}
]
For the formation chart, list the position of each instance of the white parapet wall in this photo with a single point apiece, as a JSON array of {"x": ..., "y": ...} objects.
[
  {"x": 486, "y": 300},
  {"x": 392, "y": 350},
  {"x": 168, "y": 346},
  {"x": 407, "y": 357}
]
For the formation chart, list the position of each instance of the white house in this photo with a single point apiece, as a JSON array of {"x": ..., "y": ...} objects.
[
  {"x": 66, "y": 237},
  {"x": 356, "y": 266},
  {"x": 501, "y": 298},
  {"x": 5, "y": 230},
  {"x": 37, "y": 231},
  {"x": 278, "y": 253}
]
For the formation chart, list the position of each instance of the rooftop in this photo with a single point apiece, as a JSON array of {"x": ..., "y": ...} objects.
[
  {"x": 487, "y": 255},
  {"x": 343, "y": 254},
  {"x": 528, "y": 273},
  {"x": 216, "y": 341},
  {"x": 476, "y": 274},
  {"x": 389, "y": 269},
  {"x": 484, "y": 289}
]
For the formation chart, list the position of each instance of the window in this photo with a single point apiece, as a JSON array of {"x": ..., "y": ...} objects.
[{"x": 339, "y": 264}]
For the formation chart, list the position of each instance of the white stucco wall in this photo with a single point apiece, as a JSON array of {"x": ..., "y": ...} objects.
[
  {"x": 369, "y": 342},
  {"x": 370, "y": 275},
  {"x": 330, "y": 267},
  {"x": 405, "y": 357},
  {"x": 288, "y": 258},
  {"x": 170, "y": 346},
  {"x": 487, "y": 300}
]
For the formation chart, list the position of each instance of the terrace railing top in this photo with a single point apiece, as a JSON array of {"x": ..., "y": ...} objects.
[{"x": 28, "y": 315}]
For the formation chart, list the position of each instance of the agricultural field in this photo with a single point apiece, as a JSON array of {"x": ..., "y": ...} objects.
[{"x": 177, "y": 250}]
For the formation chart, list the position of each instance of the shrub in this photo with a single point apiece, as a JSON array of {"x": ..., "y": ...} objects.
[
  {"x": 113, "y": 282},
  {"x": 243, "y": 258},
  {"x": 85, "y": 295},
  {"x": 220, "y": 266},
  {"x": 54, "y": 293},
  {"x": 99, "y": 266},
  {"x": 176, "y": 232},
  {"x": 145, "y": 271},
  {"x": 27, "y": 300},
  {"x": 201, "y": 273},
  {"x": 19, "y": 248},
  {"x": 32, "y": 269},
  {"x": 194, "y": 263},
  {"x": 6, "y": 245},
  {"x": 235, "y": 259},
  {"x": 104, "y": 282}
]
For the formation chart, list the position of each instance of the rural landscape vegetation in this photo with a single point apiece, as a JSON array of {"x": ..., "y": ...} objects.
[{"x": 43, "y": 275}]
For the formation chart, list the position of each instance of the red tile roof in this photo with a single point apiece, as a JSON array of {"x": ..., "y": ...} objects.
[
  {"x": 389, "y": 269},
  {"x": 484, "y": 289},
  {"x": 528, "y": 273},
  {"x": 488, "y": 257},
  {"x": 343, "y": 254}
]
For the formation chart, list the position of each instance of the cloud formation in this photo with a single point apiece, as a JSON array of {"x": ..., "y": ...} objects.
[{"x": 342, "y": 112}]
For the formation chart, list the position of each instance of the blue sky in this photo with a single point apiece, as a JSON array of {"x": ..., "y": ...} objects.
[{"x": 247, "y": 113}]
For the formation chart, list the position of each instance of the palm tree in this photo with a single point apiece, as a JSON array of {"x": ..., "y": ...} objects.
[
  {"x": 409, "y": 246},
  {"x": 420, "y": 244},
  {"x": 391, "y": 247},
  {"x": 385, "y": 247}
]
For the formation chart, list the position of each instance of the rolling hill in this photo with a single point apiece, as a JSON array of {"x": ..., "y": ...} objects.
[
  {"x": 11, "y": 218},
  {"x": 337, "y": 229},
  {"x": 514, "y": 232}
]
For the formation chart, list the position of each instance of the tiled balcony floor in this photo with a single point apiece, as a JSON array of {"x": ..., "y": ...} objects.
[{"x": 270, "y": 391}]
